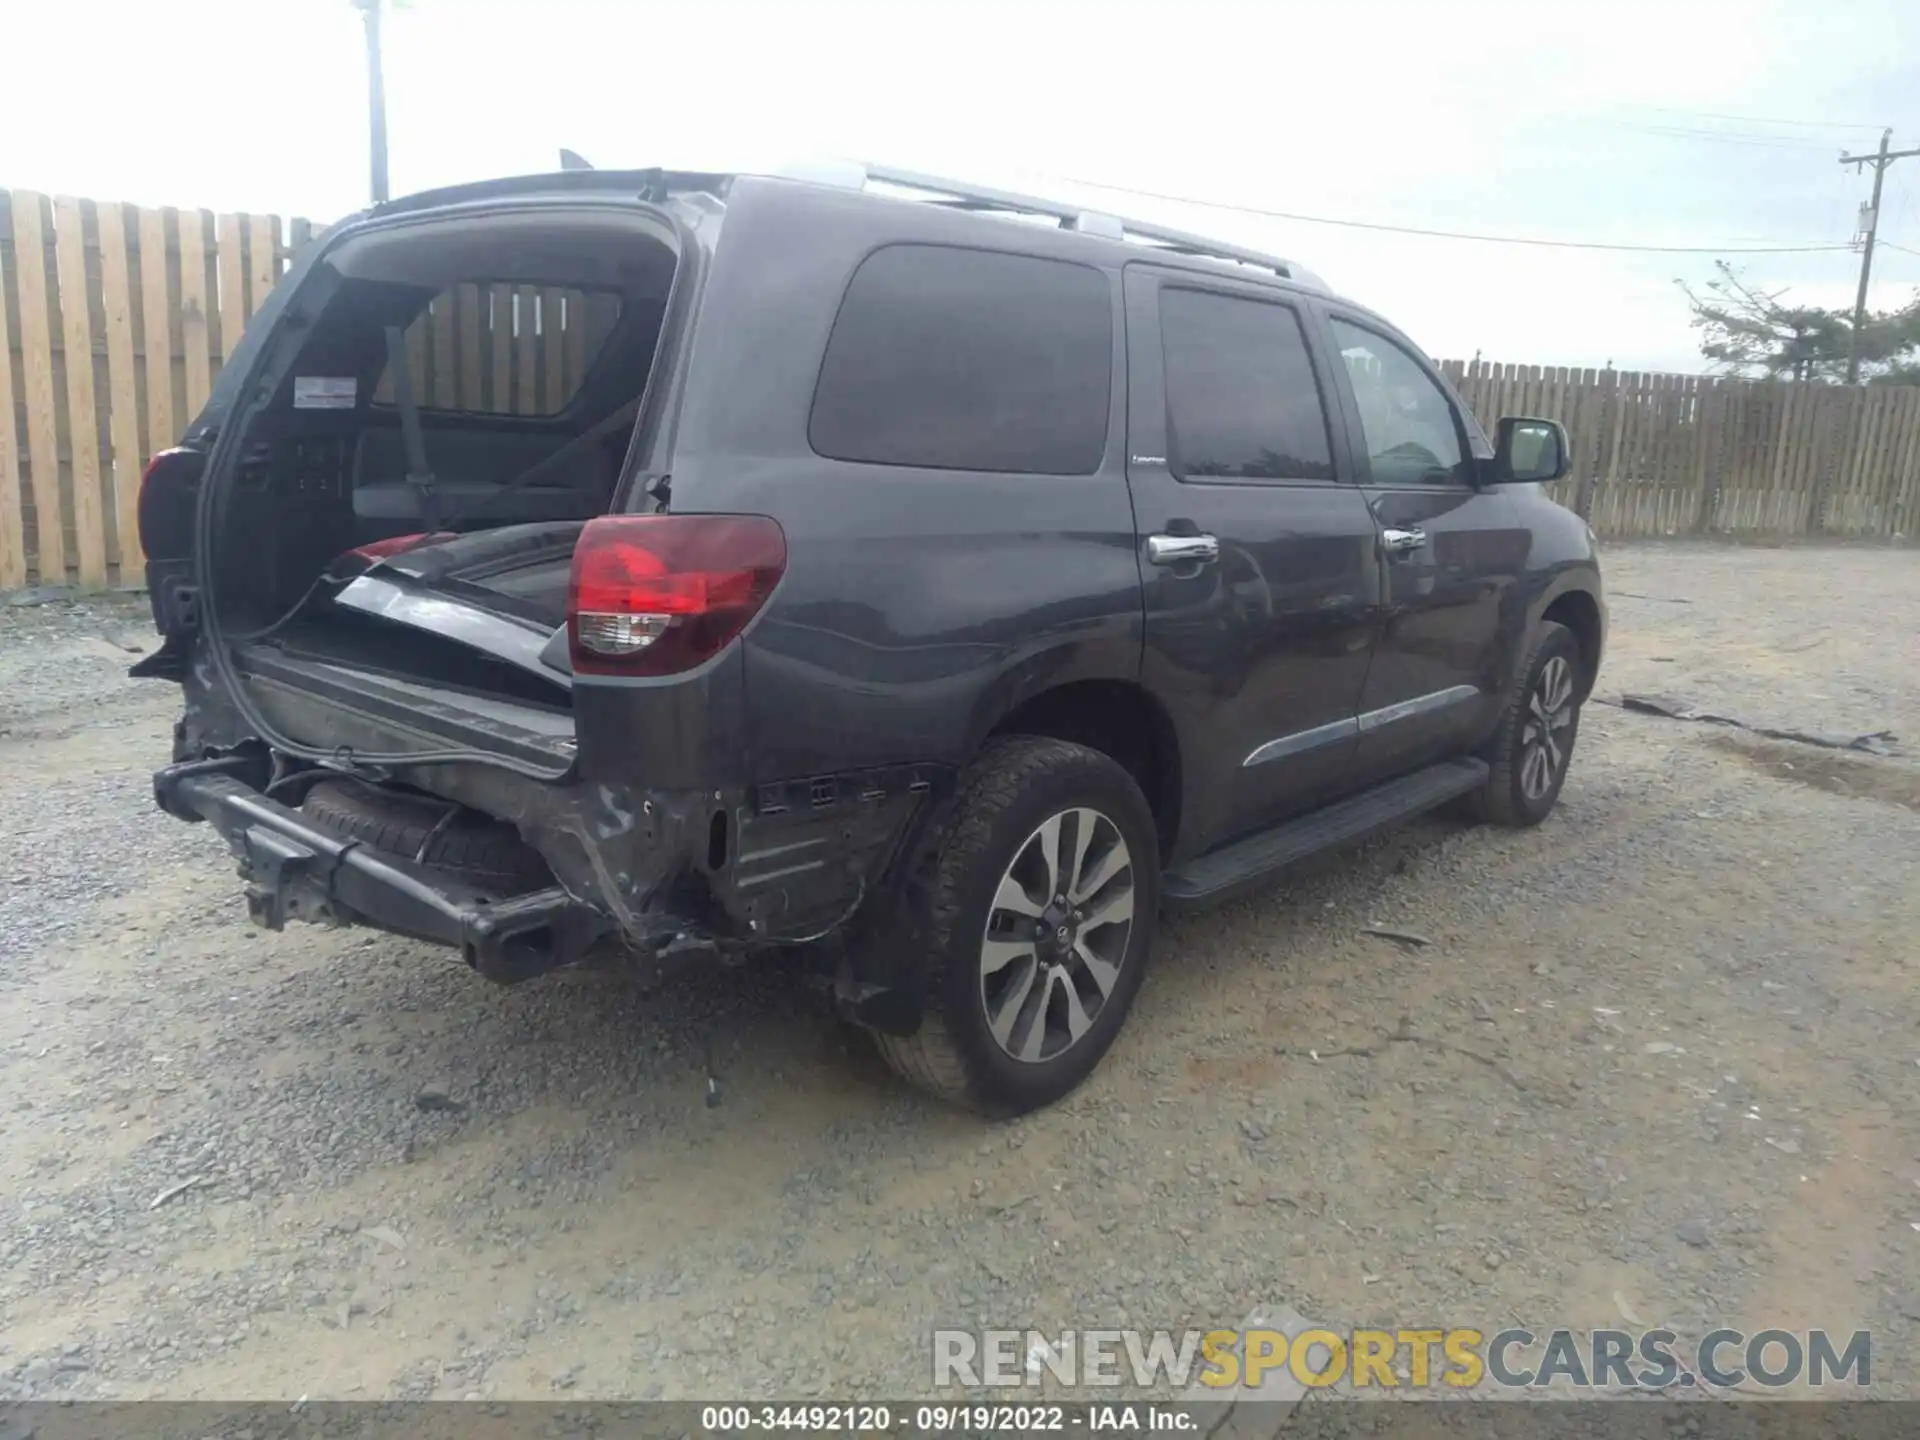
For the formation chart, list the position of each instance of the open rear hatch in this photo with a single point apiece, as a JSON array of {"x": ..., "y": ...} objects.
[
  {"x": 440, "y": 641},
  {"x": 444, "y": 404},
  {"x": 435, "y": 604}
]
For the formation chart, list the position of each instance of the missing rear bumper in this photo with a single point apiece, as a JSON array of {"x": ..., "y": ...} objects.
[{"x": 296, "y": 871}]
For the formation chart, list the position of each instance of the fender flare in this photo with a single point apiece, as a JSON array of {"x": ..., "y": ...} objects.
[{"x": 1581, "y": 578}]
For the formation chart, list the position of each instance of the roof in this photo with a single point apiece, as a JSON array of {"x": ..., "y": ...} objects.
[
  {"x": 885, "y": 181},
  {"x": 959, "y": 194}
]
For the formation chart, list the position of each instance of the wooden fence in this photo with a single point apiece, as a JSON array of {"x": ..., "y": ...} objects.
[
  {"x": 1659, "y": 454},
  {"x": 115, "y": 320}
]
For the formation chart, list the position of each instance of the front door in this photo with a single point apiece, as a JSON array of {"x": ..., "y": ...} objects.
[
  {"x": 1259, "y": 560},
  {"x": 1452, "y": 554}
]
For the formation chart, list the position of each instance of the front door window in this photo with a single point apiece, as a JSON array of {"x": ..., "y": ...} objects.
[{"x": 1412, "y": 437}]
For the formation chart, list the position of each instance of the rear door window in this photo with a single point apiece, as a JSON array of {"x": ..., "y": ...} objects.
[
  {"x": 1242, "y": 399},
  {"x": 497, "y": 349},
  {"x": 960, "y": 359}
]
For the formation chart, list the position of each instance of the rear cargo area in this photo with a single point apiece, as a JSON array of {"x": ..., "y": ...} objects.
[{"x": 445, "y": 403}]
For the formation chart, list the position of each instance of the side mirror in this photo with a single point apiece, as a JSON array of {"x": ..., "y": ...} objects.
[{"x": 1529, "y": 452}]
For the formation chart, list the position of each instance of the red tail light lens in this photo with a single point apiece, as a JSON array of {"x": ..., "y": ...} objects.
[
  {"x": 397, "y": 544},
  {"x": 658, "y": 594}
]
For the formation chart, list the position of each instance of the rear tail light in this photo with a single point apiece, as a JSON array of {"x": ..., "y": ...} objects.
[
  {"x": 658, "y": 594},
  {"x": 149, "y": 539},
  {"x": 167, "y": 495},
  {"x": 397, "y": 544}
]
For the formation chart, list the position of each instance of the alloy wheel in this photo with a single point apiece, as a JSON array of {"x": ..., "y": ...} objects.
[
  {"x": 1544, "y": 743},
  {"x": 1057, "y": 934}
]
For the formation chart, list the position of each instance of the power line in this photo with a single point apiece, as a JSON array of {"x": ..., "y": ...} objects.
[
  {"x": 1722, "y": 137},
  {"x": 1905, "y": 249},
  {"x": 1451, "y": 234},
  {"x": 1762, "y": 119}
]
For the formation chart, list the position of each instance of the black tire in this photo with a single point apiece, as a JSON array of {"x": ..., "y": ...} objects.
[
  {"x": 1002, "y": 799},
  {"x": 471, "y": 848},
  {"x": 1505, "y": 800}
]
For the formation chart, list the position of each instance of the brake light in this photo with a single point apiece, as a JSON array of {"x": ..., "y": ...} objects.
[
  {"x": 658, "y": 594},
  {"x": 397, "y": 544},
  {"x": 167, "y": 493}
]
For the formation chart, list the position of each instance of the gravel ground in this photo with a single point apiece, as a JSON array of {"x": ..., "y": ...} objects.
[{"x": 1677, "y": 1079}]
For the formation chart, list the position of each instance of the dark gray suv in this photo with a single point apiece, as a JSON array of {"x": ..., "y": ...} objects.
[{"x": 916, "y": 582}]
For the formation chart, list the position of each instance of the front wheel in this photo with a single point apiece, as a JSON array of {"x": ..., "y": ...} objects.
[
  {"x": 1534, "y": 745},
  {"x": 1036, "y": 912}
]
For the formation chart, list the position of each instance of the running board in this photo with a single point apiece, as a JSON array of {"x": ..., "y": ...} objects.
[{"x": 1224, "y": 873}]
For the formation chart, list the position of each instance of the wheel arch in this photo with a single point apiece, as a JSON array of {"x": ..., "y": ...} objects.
[
  {"x": 1120, "y": 719},
  {"x": 1578, "y": 607}
]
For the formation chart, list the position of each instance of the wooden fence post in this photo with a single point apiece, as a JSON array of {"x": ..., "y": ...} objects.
[
  {"x": 13, "y": 549},
  {"x": 1607, "y": 423},
  {"x": 1840, "y": 409},
  {"x": 1709, "y": 407},
  {"x": 123, "y": 406},
  {"x": 156, "y": 323},
  {"x": 1904, "y": 490},
  {"x": 36, "y": 366},
  {"x": 230, "y": 271}
]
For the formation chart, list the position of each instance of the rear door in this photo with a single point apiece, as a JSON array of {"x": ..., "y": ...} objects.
[
  {"x": 1259, "y": 560},
  {"x": 1451, "y": 554}
]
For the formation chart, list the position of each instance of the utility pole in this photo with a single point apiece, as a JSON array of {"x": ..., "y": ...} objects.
[
  {"x": 1879, "y": 161},
  {"x": 377, "y": 98}
]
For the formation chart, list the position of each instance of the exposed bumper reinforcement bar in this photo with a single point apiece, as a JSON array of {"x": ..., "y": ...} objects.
[{"x": 295, "y": 870}]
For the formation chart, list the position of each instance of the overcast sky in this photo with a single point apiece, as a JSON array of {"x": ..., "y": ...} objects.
[{"x": 1646, "y": 122}]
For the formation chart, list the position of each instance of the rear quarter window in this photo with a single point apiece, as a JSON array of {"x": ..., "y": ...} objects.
[
  {"x": 499, "y": 349},
  {"x": 960, "y": 359}
]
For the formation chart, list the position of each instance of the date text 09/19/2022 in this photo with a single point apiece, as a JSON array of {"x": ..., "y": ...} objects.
[{"x": 938, "y": 1419}]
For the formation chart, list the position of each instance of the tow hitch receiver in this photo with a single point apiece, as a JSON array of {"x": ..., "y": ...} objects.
[
  {"x": 294, "y": 870},
  {"x": 273, "y": 867}
]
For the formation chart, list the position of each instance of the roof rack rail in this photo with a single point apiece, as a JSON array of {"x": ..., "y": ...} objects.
[{"x": 964, "y": 195}]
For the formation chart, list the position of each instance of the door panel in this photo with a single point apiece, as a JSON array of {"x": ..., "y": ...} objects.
[
  {"x": 1451, "y": 554},
  {"x": 1435, "y": 655},
  {"x": 1259, "y": 652}
]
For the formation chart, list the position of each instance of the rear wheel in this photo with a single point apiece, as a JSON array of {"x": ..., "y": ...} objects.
[
  {"x": 1534, "y": 744},
  {"x": 1037, "y": 916}
]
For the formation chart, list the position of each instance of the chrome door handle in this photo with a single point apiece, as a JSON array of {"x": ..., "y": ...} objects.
[
  {"x": 1399, "y": 542},
  {"x": 1182, "y": 549}
]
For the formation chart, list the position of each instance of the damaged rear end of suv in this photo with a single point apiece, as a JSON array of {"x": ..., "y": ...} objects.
[
  {"x": 452, "y": 665},
  {"x": 919, "y": 581}
]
